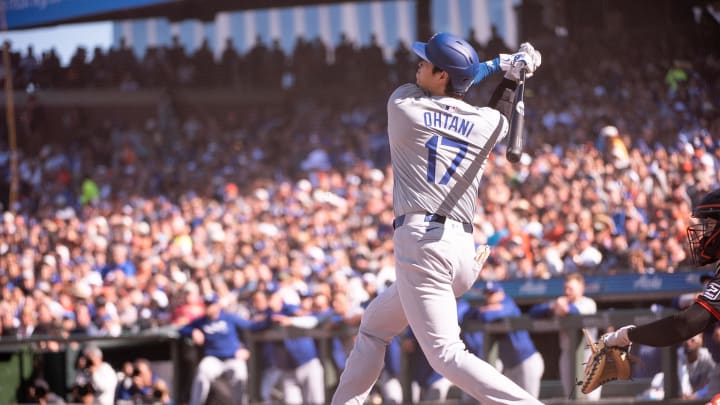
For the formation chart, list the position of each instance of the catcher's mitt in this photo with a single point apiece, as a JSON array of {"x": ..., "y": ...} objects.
[{"x": 606, "y": 363}]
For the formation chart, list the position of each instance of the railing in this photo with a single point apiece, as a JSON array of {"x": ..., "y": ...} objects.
[
  {"x": 166, "y": 346},
  {"x": 601, "y": 320}
]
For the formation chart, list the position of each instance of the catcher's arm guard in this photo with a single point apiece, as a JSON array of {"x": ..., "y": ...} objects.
[{"x": 606, "y": 363}]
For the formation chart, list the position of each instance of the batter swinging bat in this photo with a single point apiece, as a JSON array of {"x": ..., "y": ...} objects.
[{"x": 517, "y": 122}]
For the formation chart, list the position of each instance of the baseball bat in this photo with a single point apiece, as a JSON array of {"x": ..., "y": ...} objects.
[{"x": 517, "y": 122}]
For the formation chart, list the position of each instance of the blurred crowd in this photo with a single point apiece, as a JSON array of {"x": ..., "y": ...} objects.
[
  {"x": 311, "y": 62},
  {"x": 264, "y": 65},
  {"x": 129, "y": 229}
]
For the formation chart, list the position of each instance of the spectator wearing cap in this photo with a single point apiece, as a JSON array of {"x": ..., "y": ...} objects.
[
  {"x": 223, "y": 351},
  {"x": 521, "y": 362},
  {"x": 303, "y": 376}
]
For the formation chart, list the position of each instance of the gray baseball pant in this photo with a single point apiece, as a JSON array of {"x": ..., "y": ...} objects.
[
  {"x": 434, "y": 264},
  {"x": 528, "y": 374},
  {"x": 209, "y": 369},
  {"x": 305, "y": 384}
]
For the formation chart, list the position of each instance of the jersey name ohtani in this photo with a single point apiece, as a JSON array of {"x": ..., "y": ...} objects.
[{"x": 448, "y": 122}]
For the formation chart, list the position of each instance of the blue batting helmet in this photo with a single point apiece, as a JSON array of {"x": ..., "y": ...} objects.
[{"x": 453, "y": 55}]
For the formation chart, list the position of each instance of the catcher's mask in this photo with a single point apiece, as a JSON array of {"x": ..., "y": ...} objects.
[{"x": 704, "y": 237}]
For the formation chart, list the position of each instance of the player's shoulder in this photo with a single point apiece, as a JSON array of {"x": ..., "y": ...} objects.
[
  {"x": 486, "y": 114},
  {"x": 405, "y": 91}
]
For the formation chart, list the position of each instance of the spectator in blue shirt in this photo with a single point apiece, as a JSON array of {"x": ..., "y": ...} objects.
[
  {"x": 521, "y": 362},
  {"x": 303, "y": 378},
  {"x": 224, "y": 353}
]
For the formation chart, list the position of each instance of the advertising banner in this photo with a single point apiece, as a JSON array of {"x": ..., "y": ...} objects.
[{"x": 31, "y": 13}]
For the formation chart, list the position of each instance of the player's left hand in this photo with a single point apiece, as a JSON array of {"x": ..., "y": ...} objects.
[
  {"x": 618, "y": 337},
  {"x": 527, "y": 58}
]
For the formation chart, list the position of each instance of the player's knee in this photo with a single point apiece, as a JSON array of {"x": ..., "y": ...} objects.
[
  {"x": 373, "y": 338},
  {"x": 447, "y": 357}
]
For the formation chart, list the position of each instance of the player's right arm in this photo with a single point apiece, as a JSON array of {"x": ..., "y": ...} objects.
[
  {"x": 542, "y": 310},
  {"x": 252, "y": 325},
  {"x": 187, "y": 330},
  {"x": 668, "y": 331},
  {"x": 675, "y": 328},
  {"x": 503, "y": 96}
]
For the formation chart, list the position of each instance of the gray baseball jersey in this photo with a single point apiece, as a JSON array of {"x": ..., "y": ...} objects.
[{"x": 439, "y": 146}]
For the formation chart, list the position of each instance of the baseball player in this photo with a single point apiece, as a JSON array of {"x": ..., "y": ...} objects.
[
  {"x": 572, "y": 302},
  {"x": 303, "y": 375},
  {"x": 223, "y": 351},
  {"x": 439, "y": 145},
  {"x": 427, "y": 384},
  {"x": 521, "y": 362},
  {"x": 704, "y": 241}
]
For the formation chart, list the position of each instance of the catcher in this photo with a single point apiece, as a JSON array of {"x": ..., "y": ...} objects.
[{"x": 609, "y": 359}]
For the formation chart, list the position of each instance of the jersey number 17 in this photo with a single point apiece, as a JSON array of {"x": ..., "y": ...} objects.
[{"x": 433, "y": 151}]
